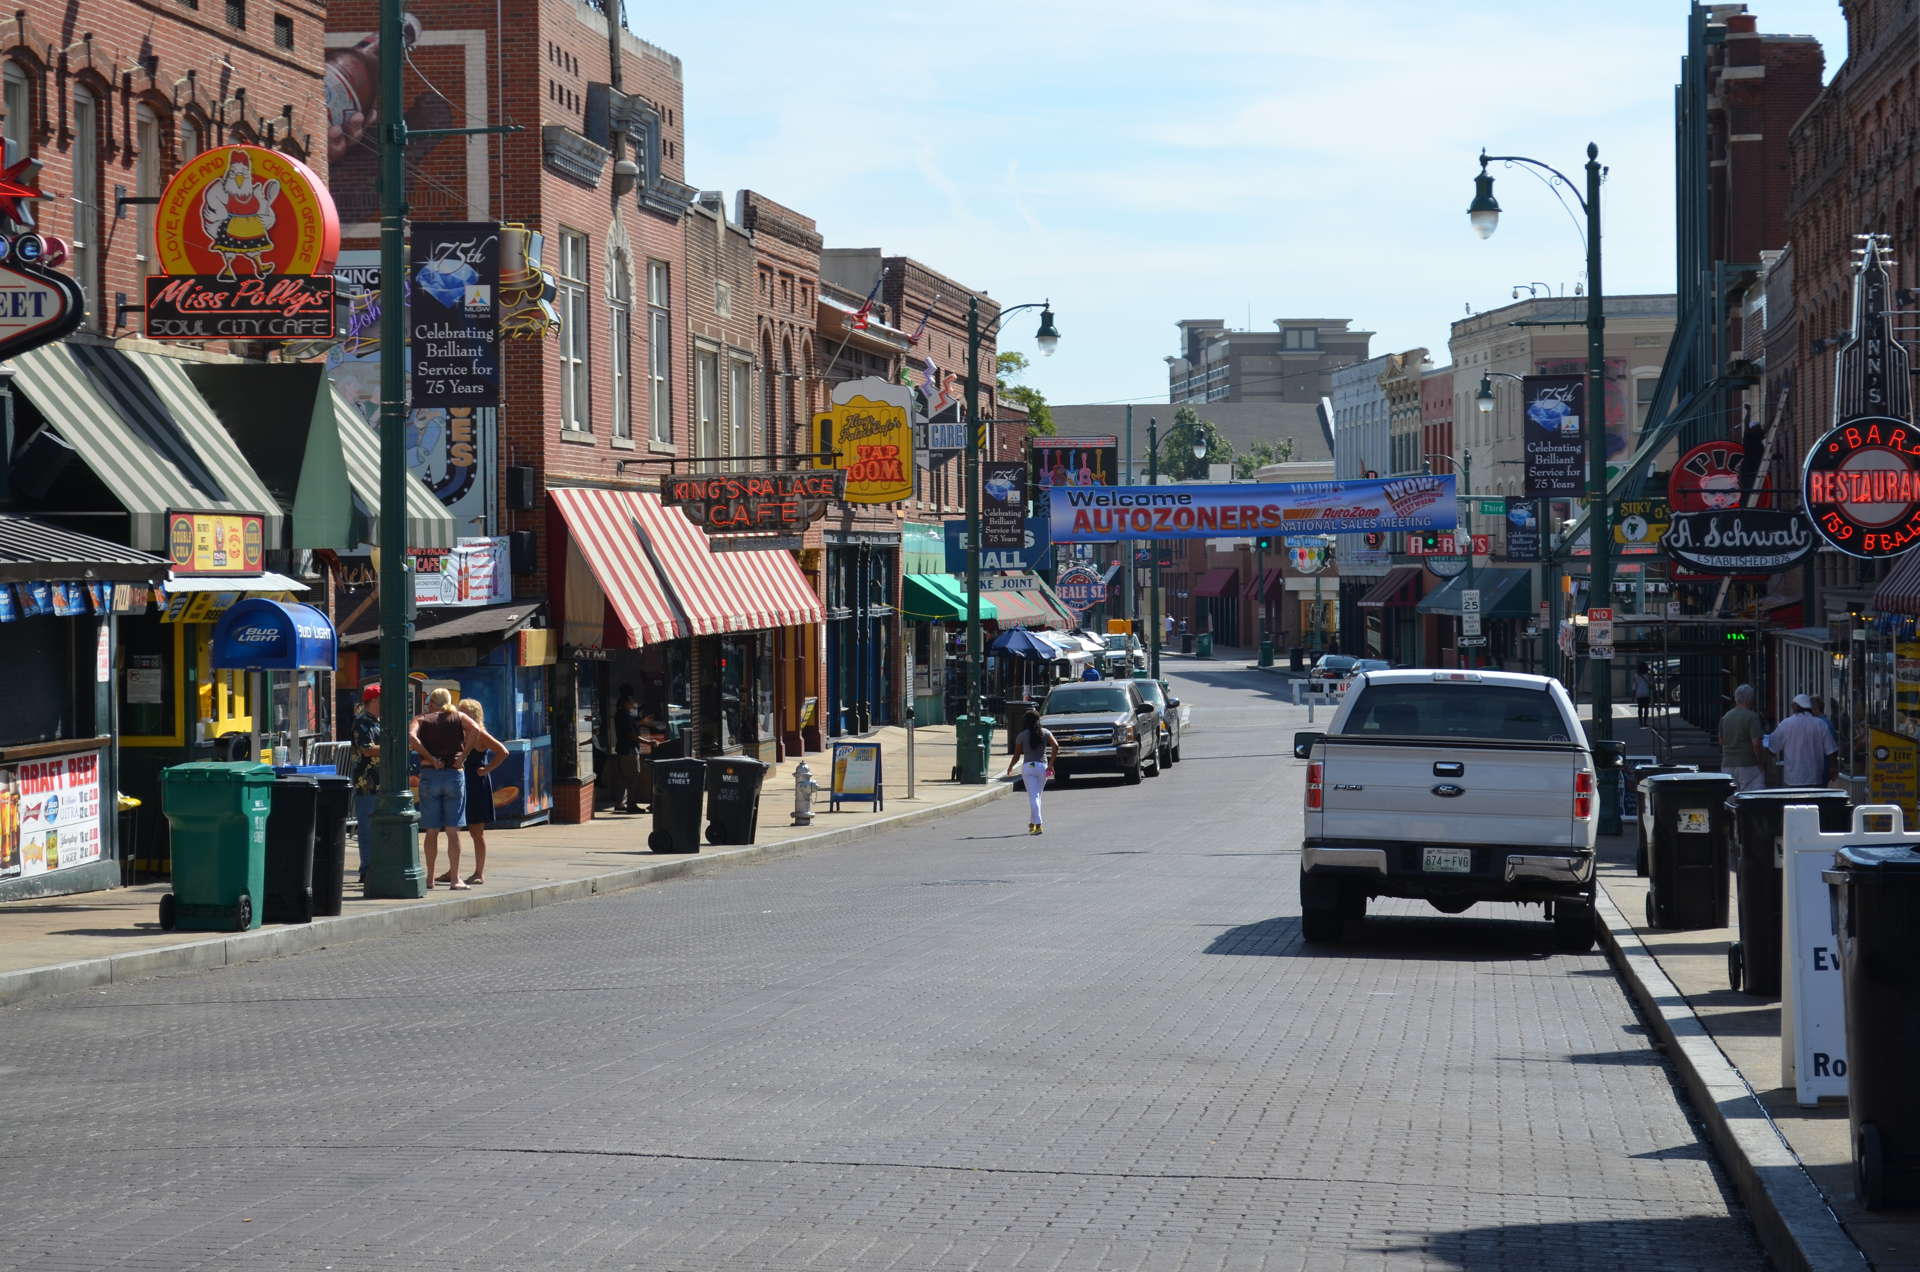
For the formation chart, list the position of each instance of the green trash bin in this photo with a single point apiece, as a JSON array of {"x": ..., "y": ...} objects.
[
  {"x": 218, "y": 813},
  {"x": 1203, "y": 645}
]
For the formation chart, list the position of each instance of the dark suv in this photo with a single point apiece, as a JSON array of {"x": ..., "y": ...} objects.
[{"x": 1105, "y": 726}]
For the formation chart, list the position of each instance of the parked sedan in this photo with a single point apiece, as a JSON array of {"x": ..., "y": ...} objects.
[
  {"x": 1332, "y": 667},
  {"x": 1157, "y": 692}
]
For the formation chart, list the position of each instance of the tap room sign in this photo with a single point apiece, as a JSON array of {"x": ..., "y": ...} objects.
[
  {"x": 246, "y": 239},
  {"x": 752, "y": 503},
  {"x": 455, "y": 313},
  {"x": 868, "y": 434}
]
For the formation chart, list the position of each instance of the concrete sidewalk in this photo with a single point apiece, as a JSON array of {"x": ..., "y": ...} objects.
[
  {"x": 1793, "y": 1166},
  {"x": 64, "y": 943}
]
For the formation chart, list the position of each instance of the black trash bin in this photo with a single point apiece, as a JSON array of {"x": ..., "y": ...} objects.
[
  {"x": 290, "y": 826},
  {"x": 1296, "y": 659},
  {"x": 733, "y": 799},
  {"x": 677, "y": 788},
  {"x": 1753, "y": 961},
  {"x": 1640, "y": 773},
  {"x": 1877, "y": 918},
  {"x": 331, "y": 810},
  {"x": 1687, "y": 849}
]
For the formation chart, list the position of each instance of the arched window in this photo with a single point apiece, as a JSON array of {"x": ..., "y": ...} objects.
[
  {"x": 19, "y": 121},
  {"x": 620, "y": 342},
  {"x": 86, "y": 198},
  {"x": 146, "y": 184}
]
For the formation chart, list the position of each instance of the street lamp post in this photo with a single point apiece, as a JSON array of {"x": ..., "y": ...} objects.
[
  {"x": 1484, "y": 215},
  {"x": 972, "y": 739}
]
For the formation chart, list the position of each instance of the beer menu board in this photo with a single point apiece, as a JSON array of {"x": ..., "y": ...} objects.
[{"x": 49, "y": 814}]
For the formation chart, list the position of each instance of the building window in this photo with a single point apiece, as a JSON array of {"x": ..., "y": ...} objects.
[
  {"x": 19, "y": 114},
  {"x": 86, "y": 198},
  {"x": 575, "y": 394},
  {"x": 282, "y": 31},
  {"x": 190, "y": 144},
  {"x": 146, "y": 183},
  {"x": 237, "y": 14},
  {"x": 620, "y": 343},
  {"x": 706, "y": 406},
  {"x": 659, "y": 354},
  {"x": 739, "y": 409}
]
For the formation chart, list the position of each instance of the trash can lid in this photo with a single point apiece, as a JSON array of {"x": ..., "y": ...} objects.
[
  {"x": 218, "y": 771},
  {"x": 1890, "y": 858},
  {"x": 1791, "y": 795},
  {"x": 1686, "y": 779}
]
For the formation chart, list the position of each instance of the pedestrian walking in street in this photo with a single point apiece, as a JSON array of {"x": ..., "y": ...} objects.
[
  {"x": 1809, "y": 756},
  {"x": 1740, "y": 751},
  {"x": 366, "y": 770},
  {"x": 441, "y": 737},
  {"x": 1034, "y": 754},
  {"x": 482, "y": 760},
  {"x": 1642, "y": 692},
  {"x": 1169, "y": 636}
]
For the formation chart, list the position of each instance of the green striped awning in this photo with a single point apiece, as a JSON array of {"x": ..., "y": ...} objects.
[
  {"x": 429, "y": 524},
  {"x": 136, "y": 421},
  {"x": 939, "y": 597}
]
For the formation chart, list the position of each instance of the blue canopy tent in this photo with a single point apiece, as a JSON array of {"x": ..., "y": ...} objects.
[
  {"x": 1021, "y": 643},
  {"x": 262, "y": 636}
]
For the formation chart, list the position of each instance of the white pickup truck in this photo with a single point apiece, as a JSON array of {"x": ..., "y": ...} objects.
[{"x": 1454, "y": 787}]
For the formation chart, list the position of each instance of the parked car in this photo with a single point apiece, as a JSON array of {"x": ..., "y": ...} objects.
[
  {"x": 1158, "y": 693},
  {"x": 1332, "y": 667},
  {"x": 1453, "y": 787},
  {"x": 1105, "y": 726}
]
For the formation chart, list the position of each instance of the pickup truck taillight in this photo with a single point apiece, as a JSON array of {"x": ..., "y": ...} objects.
[
  {"x": 1582, "y": 796},
  {"x": 1315, "y": 772}
]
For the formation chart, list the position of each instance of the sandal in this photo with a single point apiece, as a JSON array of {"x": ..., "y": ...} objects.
[
  {"x": 475, "y": 879},
  {"x": 445, "y": 878},
  {"x": 456, "y": 887}
]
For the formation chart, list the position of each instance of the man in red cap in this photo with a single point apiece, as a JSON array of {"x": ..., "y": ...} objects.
[{"x": 366, "y": 769}]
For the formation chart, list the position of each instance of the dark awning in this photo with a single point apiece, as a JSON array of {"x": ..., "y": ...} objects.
[
  {"x": 32, "y": 551},
  {"x": 454, "y": 623},
  {"x": 1218, "y": 582},
  {"x": 1399, "y": 589},
  {"x": 1271, "y": 580},
  {"x": 1899, "y": 592},
  {"x": 1504, "y": 593}
]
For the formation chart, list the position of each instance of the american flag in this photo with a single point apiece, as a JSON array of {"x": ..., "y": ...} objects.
[{"x": 864, "y": 314}]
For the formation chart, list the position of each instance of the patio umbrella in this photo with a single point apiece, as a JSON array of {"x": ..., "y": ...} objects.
[{"x": 1021, "y": 643}]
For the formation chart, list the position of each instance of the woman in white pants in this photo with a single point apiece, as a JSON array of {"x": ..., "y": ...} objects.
[{"x": 1034, "y": 752}]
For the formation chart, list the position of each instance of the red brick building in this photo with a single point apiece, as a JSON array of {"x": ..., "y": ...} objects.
[{"x": 1436, "y": 417}]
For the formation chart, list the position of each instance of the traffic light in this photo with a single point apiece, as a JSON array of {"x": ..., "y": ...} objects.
[
  {"x": 1430, "y": 543},
  {"x": 1264, "y": 543}
]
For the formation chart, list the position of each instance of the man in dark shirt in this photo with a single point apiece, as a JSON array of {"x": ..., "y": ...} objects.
[
  {"x": 366, "y": 770},
  {"x": 630, "y": 745}
]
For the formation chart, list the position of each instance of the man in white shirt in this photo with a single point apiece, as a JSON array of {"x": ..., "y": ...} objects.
[{"x": 1808, "y": 755}]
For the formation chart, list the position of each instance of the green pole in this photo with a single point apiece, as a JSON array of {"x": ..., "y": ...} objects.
[
  {"x": 395, "y": 871},
  {"x": 973, "y": 760},
  {"x": 1467, "y": 477},
  {"x": 1600, "y": 591},
  {"x": 1152, "y": 546}
]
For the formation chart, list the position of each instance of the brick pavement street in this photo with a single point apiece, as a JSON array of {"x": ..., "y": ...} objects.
[{"x": 950, "y": 1047}]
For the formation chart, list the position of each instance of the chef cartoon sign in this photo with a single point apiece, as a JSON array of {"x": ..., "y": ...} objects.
[{"x": 245, "y": 211}]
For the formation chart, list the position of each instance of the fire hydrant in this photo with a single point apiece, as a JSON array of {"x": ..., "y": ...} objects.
[{"x": 803, "y": 788}]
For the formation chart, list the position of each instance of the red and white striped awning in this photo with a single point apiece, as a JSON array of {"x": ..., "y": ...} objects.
[
  {"x": 605, "y": 525},
  {"x": 723, "y": 592}
]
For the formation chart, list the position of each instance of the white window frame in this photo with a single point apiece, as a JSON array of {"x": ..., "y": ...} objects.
[
  {"x": 706, "y": 406},
  {"x": 620, "y": 345},
  {"x": 576, "y": 395},
  {"x": 659, "y": 353},
  {"x": 19, "y": 108},
  {"x": 146, "y": 184},
  {"x": 192, "y": 140},
  {"x": 739, "y": 410},
  {"x": 86, "y": 198}
]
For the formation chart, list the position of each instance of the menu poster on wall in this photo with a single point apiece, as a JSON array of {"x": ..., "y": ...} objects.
[
  {"x": 49, "y": 814},
  {"x": 472, "y": 572}
]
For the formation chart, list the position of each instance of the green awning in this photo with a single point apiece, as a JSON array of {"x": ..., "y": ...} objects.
[
  {"x": 314, "y": 453},
  {"x": 136, "y": 421},
  {"x": 939, "y": 597},
  {"x": 1504, "y": 593}
]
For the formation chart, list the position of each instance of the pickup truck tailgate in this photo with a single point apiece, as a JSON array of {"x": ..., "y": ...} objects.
[{"x": 1411, "y": 791}]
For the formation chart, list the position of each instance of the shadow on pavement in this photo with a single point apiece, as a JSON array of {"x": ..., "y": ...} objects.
[
  {"x": 1694, "y": 1241},
  {"x": 1378, "y": 936}
]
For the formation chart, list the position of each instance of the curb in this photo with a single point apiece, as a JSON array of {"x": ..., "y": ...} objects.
[
  {"x": 1796, "y": 1227},
  {"x": 280, "y": 941}
]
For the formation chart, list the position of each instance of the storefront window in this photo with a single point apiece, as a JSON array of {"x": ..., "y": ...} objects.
[
  {"x": 764, "y": 685},
  {"x": 729, "y": 676}
]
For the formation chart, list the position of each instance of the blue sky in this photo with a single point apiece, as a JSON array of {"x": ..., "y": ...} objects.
[{"x": 1139, "y": 163}]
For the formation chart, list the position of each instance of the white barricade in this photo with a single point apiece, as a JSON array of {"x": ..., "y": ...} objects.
[{"x": 1813, "y": 1014}]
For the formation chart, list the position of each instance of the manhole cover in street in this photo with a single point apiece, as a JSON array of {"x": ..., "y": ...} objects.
[{"x": 962, "y": 883}]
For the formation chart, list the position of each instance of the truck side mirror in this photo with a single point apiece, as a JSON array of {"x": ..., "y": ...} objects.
[
  {"x": 1609, "y": 755},
  {"x": 1303, "y": 744}
]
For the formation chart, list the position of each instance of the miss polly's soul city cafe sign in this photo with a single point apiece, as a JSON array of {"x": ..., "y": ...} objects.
[{"x": 247, "y": 239}]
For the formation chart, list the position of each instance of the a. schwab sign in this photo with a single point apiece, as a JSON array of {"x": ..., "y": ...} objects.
[{"x": 1089, "y": 514}]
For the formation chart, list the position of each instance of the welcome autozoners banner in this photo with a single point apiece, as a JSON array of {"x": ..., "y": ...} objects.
[{"x": 1093, "y": 513}]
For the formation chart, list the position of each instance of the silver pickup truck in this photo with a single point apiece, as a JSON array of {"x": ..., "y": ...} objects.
[{"x": 1453, "y": 787}]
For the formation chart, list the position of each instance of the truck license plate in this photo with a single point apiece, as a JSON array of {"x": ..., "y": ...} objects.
[{"x": 1447, "y": 860}]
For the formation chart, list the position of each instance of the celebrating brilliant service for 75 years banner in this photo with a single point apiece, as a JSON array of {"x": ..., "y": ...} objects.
[{"x": 1093, "y": 513}]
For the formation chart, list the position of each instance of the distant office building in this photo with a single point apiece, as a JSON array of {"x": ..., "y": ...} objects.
[{"x": 1294, "y": 363}]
